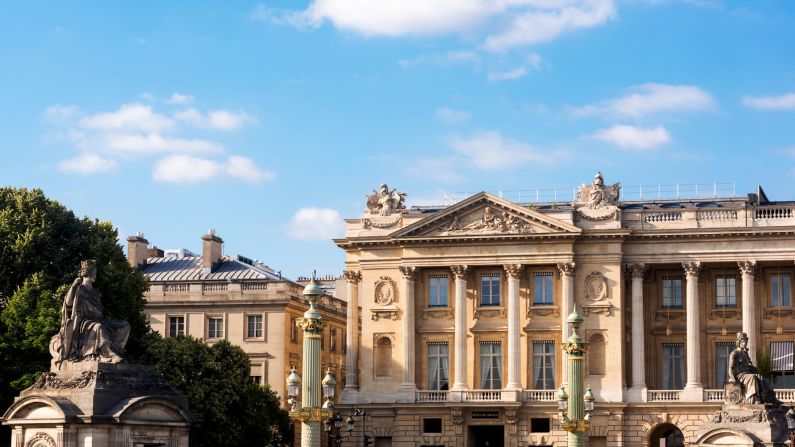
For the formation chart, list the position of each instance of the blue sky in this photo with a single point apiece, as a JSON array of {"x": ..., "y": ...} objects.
[{"x": 270, "y": 121}]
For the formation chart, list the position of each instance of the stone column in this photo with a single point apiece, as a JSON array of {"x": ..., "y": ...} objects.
[
  {"x": 352, "y": 279},
  {"x": 694, "y": 390},
  {"x": 637, "y": 393},
  {"x": 513, "y": 272},
  {"x": 460, "y": 272},
  {"x": 407, "y": 295},
  {"x": 566, "y": 270},
  {"x": 748, "y": 270}
]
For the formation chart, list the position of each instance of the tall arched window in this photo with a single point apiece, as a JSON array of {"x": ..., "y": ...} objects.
[
  {"x": 596, "y": 355},
  {"x": 383, "y": 357}
]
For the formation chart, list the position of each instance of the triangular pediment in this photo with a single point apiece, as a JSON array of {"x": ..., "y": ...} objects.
[{"x": 485, "y": 214}]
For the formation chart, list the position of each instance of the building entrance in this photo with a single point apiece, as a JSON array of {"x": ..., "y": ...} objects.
[{"x": 486, "y": 436}]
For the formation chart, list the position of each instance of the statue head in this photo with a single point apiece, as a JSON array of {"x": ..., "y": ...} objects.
[
  {"x": 742, "y": 340},
  {"x": 88, "y": 269},
  {"x": 598, "y": 179}
]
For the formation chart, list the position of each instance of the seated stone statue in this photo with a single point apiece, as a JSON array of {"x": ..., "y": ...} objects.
[
  {"x": 756, "y": 389},
  {"x": 85, "y": 334}
]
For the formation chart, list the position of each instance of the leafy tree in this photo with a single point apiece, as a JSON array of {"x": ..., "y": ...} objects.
[
  {"x": 764, "y": 364},
  {"x": 230, "y": 409},
  {"x": 41, "y": 246}
]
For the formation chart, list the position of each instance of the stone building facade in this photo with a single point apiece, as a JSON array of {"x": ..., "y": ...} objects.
[
  {"x": 464, "y": 307},
  {"x": 217, "y": 297}
]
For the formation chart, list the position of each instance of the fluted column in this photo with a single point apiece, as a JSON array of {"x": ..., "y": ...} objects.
[
  {"x": 352, "y": 279},
  {"x": 566, "y": 270},
  {"x": 638, "y": 390},
  {"x": 460, "y": 271},
  {"x": 694, "y": 390},
  {"x": 407, "y": 295},
  {"x": 513, "y": 272},
  {"x": 748, "y": 270}
]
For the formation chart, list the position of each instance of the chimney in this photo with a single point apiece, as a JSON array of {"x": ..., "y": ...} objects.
[
  {"x": 137, "y": 251},
  {"x": 155, "y": 252},
  {"x": 211, "y": 251}
]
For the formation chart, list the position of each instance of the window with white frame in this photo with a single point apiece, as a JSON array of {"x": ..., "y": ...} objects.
[
  {"x": 544, "y": 365},
  {"x": 725, "y": 291},
  {"x": 490, "y": 289},
  {"x": 722, "y": 352},
  {"x": 438, "y": 366},
  {"x": 781, "y": 356},
  {"x": 437, "y": 290},
  {"x": 254, "y": 326},
  {"x": 215, "y": 327},
  {"x": 673, "y": 366},
  {"x": 780, "y": 290},
  {"x": 542, "y": 289},
  {"x": 490, "y": 365},
  {"x": 176, "y": 326},
  {"x": 672, "y": 292}
]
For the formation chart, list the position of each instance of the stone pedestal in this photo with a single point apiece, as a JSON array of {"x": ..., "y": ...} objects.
[
  {"x": 745, "y": 425},
  {"x": 99, "y": 404}
]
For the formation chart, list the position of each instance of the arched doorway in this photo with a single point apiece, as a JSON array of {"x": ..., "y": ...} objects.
[{"x": 666, "y": 435}]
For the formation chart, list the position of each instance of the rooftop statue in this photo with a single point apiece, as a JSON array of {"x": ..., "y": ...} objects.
[
  {"x": 385, "y": 202},
  {"x": 755, "y": 388},
  {"x": 86, "y": 335},
  {"x": 597, "y": 195}
]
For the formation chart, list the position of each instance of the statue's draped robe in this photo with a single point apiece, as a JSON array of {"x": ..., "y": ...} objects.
[
  {"x": 85, "y": 333},
  {"x": 755, "y": 386}
]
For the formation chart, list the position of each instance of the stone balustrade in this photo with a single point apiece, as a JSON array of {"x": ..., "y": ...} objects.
[
  {"x": 665, "y": 395},
  {"x": 758, "y": 216}
]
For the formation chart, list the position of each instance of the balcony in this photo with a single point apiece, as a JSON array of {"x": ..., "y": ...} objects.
[
  {"x": 485, "y": 396},
  {"x": 784, "y": 395}
]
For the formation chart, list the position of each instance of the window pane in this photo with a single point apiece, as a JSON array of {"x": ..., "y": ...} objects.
[
  {"x": 490, "y": 365},
  {"x": 543, "y": 289},
  {"x": 490, "y": 290},
  {"x": 722, "y": 351},
  {"x": 437, "y": 293},
  {"x": 438, "y": 365},
  {"x": 543, "y": 365},
  {"x": 673, "y": 367}
]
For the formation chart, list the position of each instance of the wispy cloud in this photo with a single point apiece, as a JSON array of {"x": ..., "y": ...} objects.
[
  {"x": 448, "y": 58},
  {"x": 499, "y": 24},
  {"x": 490, "y": 151},
  {"x": 649, "y": 99},
  {"x": 452, "y": 116},
  {"x": 88, "y": 164},
  {"x": 315, "y": 223},
  {"x": 634, "y": 138},
  {"x": 783, "y": 102},
  {"x": 129, "y": 118},
  {"x": 59, "y": 114},
  {"x": 180, "y": 99},
  {"x": 215, "y": 119},
  {"x": 510, "y": 75},
  {"x": 190, "y": 169}
]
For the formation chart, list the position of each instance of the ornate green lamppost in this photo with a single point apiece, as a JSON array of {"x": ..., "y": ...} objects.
[
  {"x": 309, "y": 412},
  {"x": 578, "y": 404}
]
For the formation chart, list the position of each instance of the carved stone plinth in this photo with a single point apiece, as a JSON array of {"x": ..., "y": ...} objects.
[{"x": 745, "y": 425}]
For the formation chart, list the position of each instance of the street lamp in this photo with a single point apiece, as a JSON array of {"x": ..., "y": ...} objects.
[
  {"x": 577, "y": 420},
  {"x": 351, "y": 421},
  {"x": 791, "y": 425},
  {"x": 309, "y": 412}
]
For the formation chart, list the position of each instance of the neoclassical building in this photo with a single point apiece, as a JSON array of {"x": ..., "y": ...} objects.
[{"x": 464, "y": 309}]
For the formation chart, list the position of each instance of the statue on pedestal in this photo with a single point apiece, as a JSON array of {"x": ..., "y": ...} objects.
[{"x": 755, "y": 388}]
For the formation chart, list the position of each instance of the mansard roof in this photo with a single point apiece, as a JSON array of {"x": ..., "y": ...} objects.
[{"x": 189, "y": 268}]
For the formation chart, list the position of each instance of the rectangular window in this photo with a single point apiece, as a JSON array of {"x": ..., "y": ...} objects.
[
  {"x": 490, "y": 289},
  {"x": 254, "y": 329},
  {"x": 322, "y": 339},
  {"x": 215, "y": 327},
  {"x": 176, "y": 326},
  {"x": 544, "y": 365},
  {"x": 542, "y": 294},
  {"x": 540, "y": 425},
  {"x": 673, "y": 366},
  {"x": 294, "y": 330},
  {"x": 438, "y": 366},
  {"x": 432, "y": 425},
  {"x": 332, "y": 341},
  {"x": 726, "y": 291},
  {"x": 781, "y": 356},
  {"x": 490, "y": 365},
  {"x": 672, "y": 292},
  {"x": 437, "y": 291},
  {"x": 256, "y": 379},
  {"x": 780, "y": 290},
  {"x": 722, "y": 351}
]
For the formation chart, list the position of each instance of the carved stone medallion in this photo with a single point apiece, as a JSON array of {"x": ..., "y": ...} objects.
[
  {"x": 596, "y": 287},
  {"x": 41, "y": 439},
  {"x": 385, "y": 291}
]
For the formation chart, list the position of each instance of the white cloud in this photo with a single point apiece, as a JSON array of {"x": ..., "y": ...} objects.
[
  {"x": 440, "y": 169},
  {"x": 148, "y": 97},
  {"x": 535, "y": 60},
  {"x": 452, "y": 116},
  {"x": 190, "y": 169},
  {"x": 502, "y": 24},
  {"x": 510, "y": 75},
  {"x": 783, "y": 102},
  {"x": 215, "y": 119},
  {"x": 491, "y": 151},
  {"x": 649, "y": 99},
  {"x": 181, "y": 99},
  {"x": 130, "y": 117},
  {"x": 631, "y": 137},
  {"x": 88, "y": 164},
  {"x": 442, "y": 59},
  {"x": 128, "y": 144},
  {"x": 60, "y": 114},
  {"x": 315, "y": 223}
]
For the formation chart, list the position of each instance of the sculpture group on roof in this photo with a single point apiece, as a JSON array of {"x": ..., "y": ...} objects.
[{"x": 385, "y": 201}]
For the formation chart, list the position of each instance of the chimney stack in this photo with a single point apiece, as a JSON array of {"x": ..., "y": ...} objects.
[
  {"x": 211, "y": 251},
  {"x": 137, "y": 251}
]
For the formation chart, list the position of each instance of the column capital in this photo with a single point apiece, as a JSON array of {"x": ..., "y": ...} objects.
[
  {"x": 513, "y": 270},
  {"x": 692, "y": 268},
  {"x": 409, "y": 272},
  {"x": 636, "y": 271},
  {"x": 747, "y": 267},
  {"x": 460, "y": 271},
  {"x": 566, "y": 268},
  {"x": 352, "y": 276}
]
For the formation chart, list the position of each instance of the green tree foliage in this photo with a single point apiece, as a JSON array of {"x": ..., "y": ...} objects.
[
  {"x": 41, "y": 246},
  {"x": 230, "y": 409},
  {"x": 764, "y": 364}
]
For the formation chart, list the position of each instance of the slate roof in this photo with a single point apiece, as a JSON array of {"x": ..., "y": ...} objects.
[{"x": 189, "y": 268}]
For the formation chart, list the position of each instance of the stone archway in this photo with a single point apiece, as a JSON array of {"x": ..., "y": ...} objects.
[
  {"x": 726, "y": 437},
  {"x": 666, "y": 435}
]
